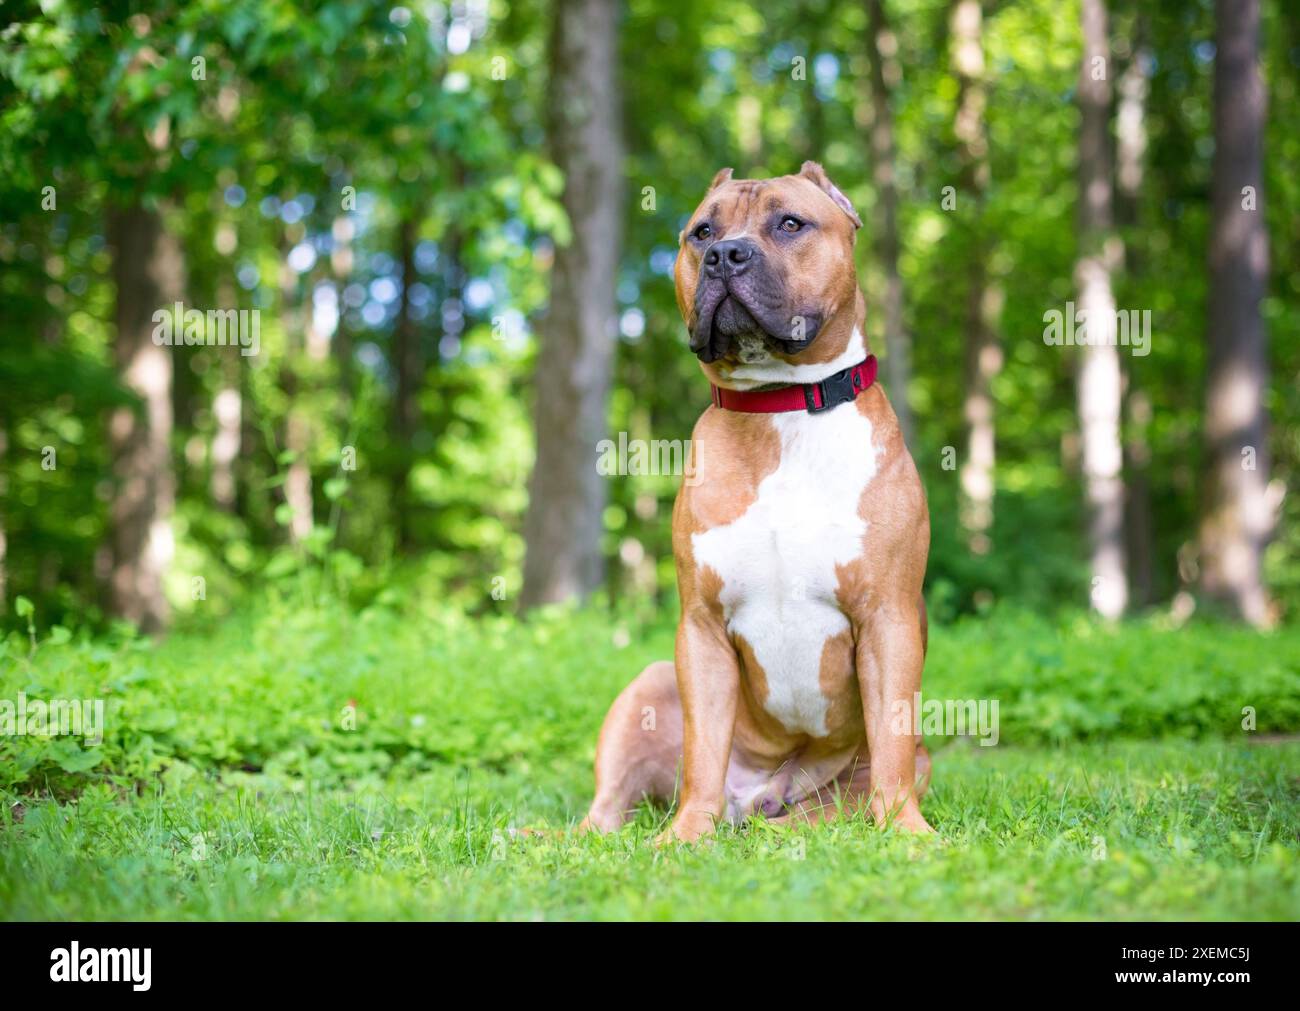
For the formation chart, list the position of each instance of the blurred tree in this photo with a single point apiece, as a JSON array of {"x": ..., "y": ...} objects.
[
  {"x": 1099, "y": 378},
  {"x": 882, "y": 49},
  {"x": 575, "y": 357},
  {"x": 408, "y": 368},
  {"x": 1240, "y": 507},
  {"x": 983, "y": 358},
  {"x": 147, "y": 273},
  {"x": 296, "y": 437},
  {"x": 1130, "y": 154}
]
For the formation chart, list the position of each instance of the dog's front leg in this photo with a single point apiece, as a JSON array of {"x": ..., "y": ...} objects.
[
  {"x": 708, "y": 681},
  {"x": 890, "y": 654}
]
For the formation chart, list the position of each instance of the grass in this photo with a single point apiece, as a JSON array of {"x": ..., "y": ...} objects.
[{"x": 230, "y": 786}]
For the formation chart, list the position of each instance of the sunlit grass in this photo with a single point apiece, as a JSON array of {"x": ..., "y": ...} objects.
[{"x": 228, "y": 786}]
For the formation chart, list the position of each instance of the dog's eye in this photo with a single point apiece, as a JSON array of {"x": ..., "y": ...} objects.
[
  {"x": 702, "y": 232},
  {"x": 790, "y": 224}
]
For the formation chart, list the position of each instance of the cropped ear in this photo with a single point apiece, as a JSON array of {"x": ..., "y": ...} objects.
[
  {"x": 723, "y": 176},
  {"x": 815, "y": 174}
]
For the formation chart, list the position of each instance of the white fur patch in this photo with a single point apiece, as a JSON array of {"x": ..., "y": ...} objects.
[
  {"x": 777, "y": 561},
  {"x": 755, "y": 372}
]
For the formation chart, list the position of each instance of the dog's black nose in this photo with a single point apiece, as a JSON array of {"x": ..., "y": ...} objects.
[{"x": 728, "y": 256}]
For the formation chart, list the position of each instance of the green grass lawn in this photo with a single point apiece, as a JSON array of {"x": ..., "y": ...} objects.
[{"x": 232, "y": 784}]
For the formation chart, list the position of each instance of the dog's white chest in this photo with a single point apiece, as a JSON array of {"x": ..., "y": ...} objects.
[{"x": 778, "y": 561}]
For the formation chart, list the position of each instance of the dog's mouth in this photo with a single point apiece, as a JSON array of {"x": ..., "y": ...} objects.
[
  {"x": 707, "y": 344},
  {"x": 727, "y": 327},
  {"x": 732, "y": 321}
]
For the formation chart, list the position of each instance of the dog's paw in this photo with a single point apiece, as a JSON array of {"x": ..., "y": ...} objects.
[
  {"x": 910, "y": 819},
  {"x": 687, "y": 827}
]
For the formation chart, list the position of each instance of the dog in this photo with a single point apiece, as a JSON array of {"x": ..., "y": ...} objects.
[{"x": 800, "y": 545}]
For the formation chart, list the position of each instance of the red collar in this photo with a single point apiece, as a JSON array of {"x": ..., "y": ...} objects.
[{"x": 840, "y": 388}]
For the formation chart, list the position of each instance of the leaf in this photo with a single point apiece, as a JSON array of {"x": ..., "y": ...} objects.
[
  {"x": 24, "y": 607},
  {"x": 281, "y": 565},
  {"x": 71, "y": 757}
]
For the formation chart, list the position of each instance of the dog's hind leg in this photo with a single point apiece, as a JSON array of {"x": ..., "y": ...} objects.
[{"x": 640, "y": 748}]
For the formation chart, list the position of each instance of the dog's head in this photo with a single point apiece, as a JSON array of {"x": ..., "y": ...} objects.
[{"x": 765, "y": 275}]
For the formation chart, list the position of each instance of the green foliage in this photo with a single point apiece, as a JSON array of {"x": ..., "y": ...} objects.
[
  {"x": 1189, "y": 831},
  {"x": 248, "y": 122},
  {"x": 432, "y": 687},
  {"x": 260, "y": 130},
  {"x": 307, "y": 760},
  {"x": 1081, "y": 681}
]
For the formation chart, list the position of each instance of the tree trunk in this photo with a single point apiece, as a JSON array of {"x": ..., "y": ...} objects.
[
  {"x": 983, "y": 355},
  {"x": 227, "y": 409},
  {"x": 810, "y": 19},
  {"x": 1130, "y": 169},
  {"x": 1099, "y": 379},
  {"x": 342, "y": 260},
  {"x": 1239, "y": 512},
  {"x": 297, "y": 480},
  {"x": 1139, "y": 527},
  {"x": 341, "y": 263},
  {"x": 575, "y": 357},
  {"x": 297, "y": 427},
  {"x": 227, "y": 413},
  {"x": 408, "y": 363},
  {"x": 1131, "y": 132},
  {"x": 882, "y": 46},
  {"x": 252, "y": 501},
  {"x": 148, "y": 275}
]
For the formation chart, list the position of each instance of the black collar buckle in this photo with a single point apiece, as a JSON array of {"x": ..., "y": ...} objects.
[{"x": 835, "y": 389}]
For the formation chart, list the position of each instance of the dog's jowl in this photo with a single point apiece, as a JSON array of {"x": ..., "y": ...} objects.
[{"x": 800, "y": 544}]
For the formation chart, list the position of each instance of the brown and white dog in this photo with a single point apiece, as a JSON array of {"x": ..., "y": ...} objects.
[{"x": 800, "y": 545}]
